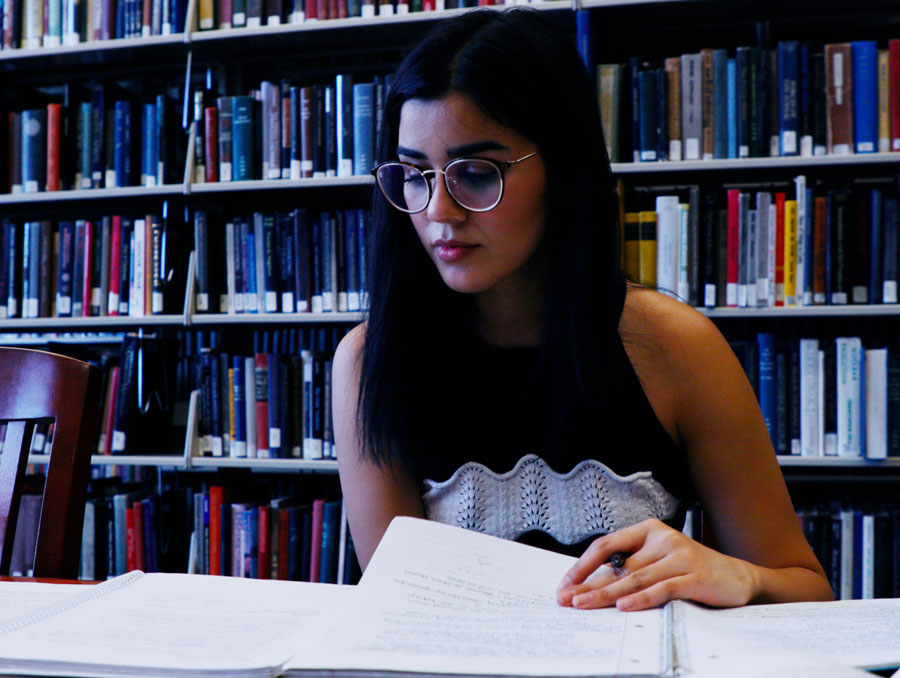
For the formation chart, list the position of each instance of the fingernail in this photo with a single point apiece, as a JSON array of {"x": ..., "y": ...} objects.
[
  {"x": 581, "y": 600},
  {"x": 566, "y": 581},
  {"x": 624, "y": 604}
]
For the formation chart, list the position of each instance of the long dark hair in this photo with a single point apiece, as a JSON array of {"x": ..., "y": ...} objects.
[{"x": 523, "y": 72}]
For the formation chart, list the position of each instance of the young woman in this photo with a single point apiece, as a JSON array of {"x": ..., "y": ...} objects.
[{"x": 509, "y": 380}]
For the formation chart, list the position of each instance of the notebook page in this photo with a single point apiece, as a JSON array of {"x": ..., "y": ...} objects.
[
  {"x": 862, "y": 633},
  {"x": 425, "y": 562},
  {"x": 177, "y": 623},
  {"x": 443, "y": 600},
  {"x": 22, "y": 597}
]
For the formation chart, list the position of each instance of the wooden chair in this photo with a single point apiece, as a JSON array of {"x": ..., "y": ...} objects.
[{"x": 36, "y": 387}]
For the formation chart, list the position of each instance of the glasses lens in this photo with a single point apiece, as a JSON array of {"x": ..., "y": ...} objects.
[
  {"x": 474, "y": 184},
  {"x": 405, "y": 187}
]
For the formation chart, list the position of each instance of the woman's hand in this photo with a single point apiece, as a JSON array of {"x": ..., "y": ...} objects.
[{"x": 663, "y": 565}]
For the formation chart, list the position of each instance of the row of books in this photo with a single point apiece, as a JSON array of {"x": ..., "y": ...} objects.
[
  {"x": 213, "y": 14},
  {"x": 97, "y": 142},
  {"x": 809, "y": 244},
  {"x": 105, "y": 267},
  {"x": 32, "y": 24},
  {"x": 858, "y": 546},
  {"x": 272, "y": 401},
  {"x": 286, "y": 537},
  {"x": 791, "y": 99},
  {"x": 826, "y": 396},
  {"x": 286, "y": 131},
  {"x": 282, "y": 262}
]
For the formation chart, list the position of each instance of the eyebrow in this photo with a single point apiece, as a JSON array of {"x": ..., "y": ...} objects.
[{"x": 456, "y": 151}]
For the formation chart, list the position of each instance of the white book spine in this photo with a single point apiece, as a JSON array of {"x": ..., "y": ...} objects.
[
  {"x": 809, "y": 397},
  {"x": 800, "y": 186},
  {"x": 667, "y": 224},
  {"x": 821, "y": 402},
  {"x": 867, "y": 567},
  {"x": 876, "y": 403},
  {"x": 136, "y": 300},
  {"x": 763, "y": 201},
  {"x": 684, "y": 289},
  {"x": 250, "y": 404},
  {"x": 773, "y": 232},
  {"x": 846, "y": 578},
  {"x": 848, "y": 396}
]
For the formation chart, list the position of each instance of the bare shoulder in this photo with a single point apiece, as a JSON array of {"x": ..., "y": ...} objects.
[{"x": 349, "y": 351}]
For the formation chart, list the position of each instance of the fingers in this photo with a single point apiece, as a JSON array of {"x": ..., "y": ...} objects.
[
  {"x": 627, "y": 540},
  {"x": 628, "y": 590}
]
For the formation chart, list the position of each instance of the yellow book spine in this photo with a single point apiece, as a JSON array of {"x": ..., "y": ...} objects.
[
  {"x": 790, "y": 253},
  {"x": 647, "y": 236},
  {"x": 206, "y": 19},
  {"x": 632, "y": 252},
  {"x": 884, "y": 102}
]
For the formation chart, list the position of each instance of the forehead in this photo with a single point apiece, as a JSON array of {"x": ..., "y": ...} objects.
[{"x": 434, "y": 125}]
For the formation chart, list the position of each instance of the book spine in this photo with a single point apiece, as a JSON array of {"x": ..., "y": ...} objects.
[
  {"x": 211, "y": 143},
  {"x": 848, "y": 396},
  {"x": 839, "y": 97},
  {"x": 64, "y": 269},
  {"x": 691, "y": 105},
  {"x": 788, "y": 67},
  {"x": 876, "y": 377},
  {"x": 242, "y": 135},
  {"x": 865, "y": 95}
]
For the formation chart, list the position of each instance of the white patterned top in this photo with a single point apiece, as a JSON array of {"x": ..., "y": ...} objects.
[{"x": 590, "y": 500}]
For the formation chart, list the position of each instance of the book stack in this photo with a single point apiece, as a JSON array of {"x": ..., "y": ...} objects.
[
  {"x": 106, "y": 140},
  {"x": 802, "y": 244},
  {"x": 294, "y": 262},
  {"x": 790, "y": 99},
  {"x": 285, "y": 131},
  {"x": 288, "y": 537},
  {"x": 826, "y": 397},
  {"x": 858, "y": 546},
  {"x": 31, "y": 24},
  {"x": 109, "y": 266},
  {"x": 271, "y": 402}
]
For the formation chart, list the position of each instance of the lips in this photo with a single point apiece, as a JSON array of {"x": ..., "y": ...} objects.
[{"x": 453, "y": 251}]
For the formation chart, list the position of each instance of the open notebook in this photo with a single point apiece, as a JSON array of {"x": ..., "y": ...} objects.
[{"x": 435, "y": 600}]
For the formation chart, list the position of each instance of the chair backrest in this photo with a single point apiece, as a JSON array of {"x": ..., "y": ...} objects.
[{"x": 37, "y": 386}]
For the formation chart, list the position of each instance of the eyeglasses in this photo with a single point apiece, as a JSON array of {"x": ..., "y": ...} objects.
[{"x": 476, "y": 184}]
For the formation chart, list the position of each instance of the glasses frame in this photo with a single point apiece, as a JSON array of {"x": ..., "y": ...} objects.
[{"x": 501, "y": 165}]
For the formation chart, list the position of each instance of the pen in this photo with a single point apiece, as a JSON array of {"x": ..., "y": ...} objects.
[{"x": 617, "y": 560}]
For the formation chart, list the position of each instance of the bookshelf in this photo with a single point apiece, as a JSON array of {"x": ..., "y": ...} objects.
[{"x": 648, "y": 29}]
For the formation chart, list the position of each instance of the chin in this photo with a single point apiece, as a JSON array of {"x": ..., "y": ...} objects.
[{"x": 464, "y": 284}]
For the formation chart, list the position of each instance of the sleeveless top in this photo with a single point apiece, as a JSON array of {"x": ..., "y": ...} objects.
[{"x": 493, "y": 468}]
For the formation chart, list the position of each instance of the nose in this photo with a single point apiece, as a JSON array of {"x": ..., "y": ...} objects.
[{"x": 443, "y": 208}]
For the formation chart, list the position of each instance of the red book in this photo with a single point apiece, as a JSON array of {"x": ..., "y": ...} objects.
[
  {"x": 211, "y": 143},
  {"x": 839, "y": 98},
  {"x": 310, "y": 7},
  {"x": 112, "y": 397},
  {"x": 262, "y": 404},
  {"x": 139, "y": 562},
  {"x": 147, "y": 17},
  {"x": 130, "y": 546},
  {"x": 322, "y": 10},
  {"x": 333, "y": 11},
  {"x": 263, "y": 549},
  {"x": 54, "y": 129},
  {"x": 283, "y": 534},
  {"x": 894, "y": 87},
  {"x": 819, "y": 248},
  {"x": 779, "y": 248},
  {"x": 427, "y": 5},
  {"x": 315, "y": 550},
  {"x": 734, "y": 215},
  {"x": 88, "y": 259},
  {"x": 341, "y": 9},
  {"x": 115, "y": 263},
  {"x": 218, "y": 495}
]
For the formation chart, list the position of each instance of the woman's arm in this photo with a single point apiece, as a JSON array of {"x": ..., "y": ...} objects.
[
  {"x": 702, "y": 396},
  {"x": 373, "y": 494}
]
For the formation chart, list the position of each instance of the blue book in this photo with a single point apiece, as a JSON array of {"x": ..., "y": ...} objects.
[
  {"x": 647, "y": 115},
  {"x": 584, "y": 41},
  {"x": 768, "y": 394},
  {"x": 876, "y": 234},
  {"x": 98, "y": 122},
  {"x": 857, "y": 553},
  {"x": 301, "y": 265},
  {"x": 242, "y": 131},
  {"x": 661, "y": 114},
  {"x": 251, "y": 272},
  {"x": 123, "y": 143},
  {"x": 240, "y": 267},
  {"x": 159, "y": 156},
  {"x": 251, "y": 542},
  {"x": 363, "y": 127},
  {"x": 5, "y": 263},
  {"x": 270, "y": 265},
  {"x": 148, "y": 507},
  {"x": 351, "y": 249},
  {"x": 315, "y": 259},
  {"x": 64, "y": 269},
  {"x": 34, "y": 150},
  {"x": 363, "y": 260},
  {"x": 864, "y": 54},
  {"x": 239, "y": 444},
  {"x": 720, "y": 103},
  {"x": 287, "y": 261},
  {"x": 331, "y": 526},
  {"x": 788, "y": 66},
  {"x": 326, "y": 236},
  {"x": 732, "y": 106},
  {"x": 85, "y": 136},
  {"x": 805, "y": 101},
  {"x": 148, "y": 145},
  {"x": 634, "y": 69}
]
